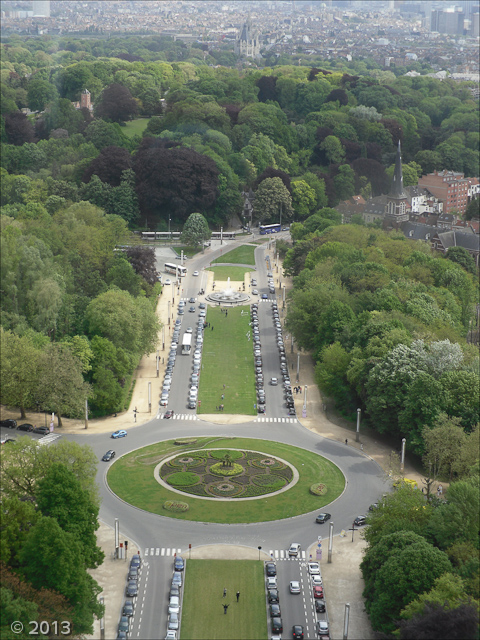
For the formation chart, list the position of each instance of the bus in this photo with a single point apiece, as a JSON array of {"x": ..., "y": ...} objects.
[
  {"x": 269, "y": 228},
  {"x": 225, "y": 235},
  {"x": 186, "y": 344},
  {"x": 176, "y": 269}
]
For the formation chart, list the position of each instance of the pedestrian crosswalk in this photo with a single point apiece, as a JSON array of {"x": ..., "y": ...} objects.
[
  {"x": 49, "y": 438},
  {"x": 289, "y": 420},
  {"x": 161, "y": 551},
  {"x": 180, "y": 416},
  {"x": 277, "y": 554}
]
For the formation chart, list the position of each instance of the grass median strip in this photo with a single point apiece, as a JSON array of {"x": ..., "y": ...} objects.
[
  {"x": 227, "y": 363},
  {"x": 203, "y": 616},
  {"x": 240, "y": 255}
]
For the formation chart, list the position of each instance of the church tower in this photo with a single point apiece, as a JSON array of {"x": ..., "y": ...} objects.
[{"x": 396, "y": 208}]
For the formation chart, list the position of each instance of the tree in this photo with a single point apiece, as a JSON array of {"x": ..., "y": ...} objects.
[
  {"x": 129, "y": 323},
  {"x": 109, "y": 165},
  {"x": 272, "y": 199},
  {"x": 122, "y": 200},
  {"x": 473, "y": 210},
  {"x": 18, "y": 128},
  {"x": 59, "y": 495},
  {"x": 61, "y": 567},
  {"x": 19, "y": 370},
  {"x": 195, "y": 230},
  {"x": 344, "y": 182},
  {"x": 173, "y": 180},
  {"x": 106, "y": 134},
  {"x": 462, "y": 389},
  {"x": 448, "y": 591},
  {"x": 402, "y": 566},
  {"x": 333, "y": 149},
  {"x": 437, "y": 621},
  {"x": 143, "y": 260},
  {"x": 462, "y": 257},
  {"x": 270, "y": 172},
  {"x": 459, "y": 518},
  {"x": 39, "y": 93},
  {"x": 444, "y": 443},
  {"x": 122, "y": 275},
  {"x": 318, "y": 185},
  {"x": 303, "y": 199},
  {"x": 116, "y": 104},
  {"x": 337, "y": 94},
  {"x": 331, "y": 374},
  {"x": 61, "y": 387},
  {"x": 267, "y": 90}
]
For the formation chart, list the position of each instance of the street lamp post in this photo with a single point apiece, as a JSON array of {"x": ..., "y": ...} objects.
[
  {"x": 330, "y": 543},
  {"x": 345, "y": 621},
  {"x": 169, "y": 232},
  {"x": 259, "y": 549},
  {"x": 298, "y": 367},
  {"x": 402, "y": 461},
  {"x": 357, "y": 435}
]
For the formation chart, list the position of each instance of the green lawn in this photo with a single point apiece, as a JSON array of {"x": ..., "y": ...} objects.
[
  {"x": 203, "y": 616},
  {"x": 131, "y": 478},
  {"x": 240, "y": 255},
  {"x": 136, "y": 126},
  {"x": 227, "y": 359},
  {"x": 234, "y": 273}
]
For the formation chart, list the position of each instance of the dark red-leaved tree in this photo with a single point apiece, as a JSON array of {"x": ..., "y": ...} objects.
[
  {"x": 109, "y": 165},
  {"x": 437, "y": 623},
  {"x": 143, "y": 260},
  {"x": 116, "y": 104},
  {"x": 267, "y": 88},
  {"x": 322, "y": 132},
  {"x": 173, "y": 181},
  {"x": 270, "y": 172},
  {"x": 232, "y": 112},
  {"x": 394, "y": 128},
  {"x": 375, "y": 174},
  {"x": 337, "y": 94},
  {"x": 353, "y": 150},
  {"x": 18, "y": 128}
]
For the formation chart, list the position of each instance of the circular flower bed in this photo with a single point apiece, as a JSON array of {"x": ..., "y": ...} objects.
[
  {"x": 183, "y": 479},
  {"x": 219, "y": 469},
  {"x": 318, "y": 489},
  {"x": 198, "y": 472}
]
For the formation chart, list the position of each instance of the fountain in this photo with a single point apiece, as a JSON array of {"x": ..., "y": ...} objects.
[{"x": 228, "y": 296}]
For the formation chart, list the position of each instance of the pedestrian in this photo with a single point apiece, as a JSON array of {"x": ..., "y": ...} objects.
[
  {"x": 225, "y": 592},
  {"x": 238, "y": 596},
  {"x": 212, "y": 328},
  {"x": 226, "y": 313},
  {"x": 346, "y": 441},
  {"x": 438, "y": 492},
  {"x": 225, "y": 607},
  {"x": 361, "y": 447},
  {"x": 224, "y": 386},
  {"x": 440, "y": 489},
  {"x": 223, "y": 396}
]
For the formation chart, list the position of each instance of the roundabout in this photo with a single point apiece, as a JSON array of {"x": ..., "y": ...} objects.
[{"x": 226, "y": 480}]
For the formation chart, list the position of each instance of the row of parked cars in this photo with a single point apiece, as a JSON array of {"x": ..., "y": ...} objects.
[
  {"x": 289, "y": 402},
  {"x": 175, "y": 598},
  {"x": 131, "y": 592},
  {"x": 10, "y": 423}
]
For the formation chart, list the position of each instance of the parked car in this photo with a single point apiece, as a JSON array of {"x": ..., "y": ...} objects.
[
  {"x": 119, "y": 434},
  {"x": 173, "y": 621},
  {"x": 322, "y": 518},
  {"x": 42, "y": 430},
  {"x": 133, "y": 573},
  {"x": 272, "y": 582},
  {"x": 171, "y": 635},
  {"x": 177, "y": 578},
  {"x": 123, "y": 624},
  {"x": 174, "y": 605},
  {"x": 174, "y": 590},
  {"x": 128, "y": 608},
  {"x": 314, "y": 568},
  {"x": 275, "y": 610},
  {"x": 25, "y": 427},
  {"x": 318, "y": 592},
  {"x": 9, "y": 423},
  {"x": 179, "y": 563},
  {"x": 132, "y": 589},
  {"x": 294, "y": 586},
  {"x": 108, "y": 455},
  {"x": 271, "y": 569},
  {"x": 360, "y": 521},
  {"x": 322, "y": 628},
  {"x": 273, "y": 596},
  {"x": 317, "y": 581},
  {"x": 277, "y": 625},
  {"x": 320, "y": 606},
  {"x": 136, "y": 561}
]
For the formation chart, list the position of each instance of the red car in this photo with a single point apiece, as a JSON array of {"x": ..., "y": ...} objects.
[
  {"x": 168, "y": 414},
  {"x": 318, "y": 592}
]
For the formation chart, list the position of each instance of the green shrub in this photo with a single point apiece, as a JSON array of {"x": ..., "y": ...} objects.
[
  {"x": 219, "y": 470},
  {"x": 184, "y": 441},
  {"x": 176, "y": 506},
  {"x": 318, "y": 489},
  {"x": 182, "y": 479}
]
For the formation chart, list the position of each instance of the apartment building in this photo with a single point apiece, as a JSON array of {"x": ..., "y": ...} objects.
[{"x": 449, "y": 186}]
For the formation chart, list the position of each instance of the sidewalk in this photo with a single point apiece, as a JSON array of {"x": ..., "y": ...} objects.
[{"x": 342, "y": 579}]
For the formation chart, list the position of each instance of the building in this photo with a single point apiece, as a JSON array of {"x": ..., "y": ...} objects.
[
  {"x": 41, "y": 8},
  {"x": 397, "y": 201},
  {"x": 449, "y": 186},
  {"x": 85, "y": 100},
  {"x": 443, "y": 241},
  {"x": 248, "y": 41}
]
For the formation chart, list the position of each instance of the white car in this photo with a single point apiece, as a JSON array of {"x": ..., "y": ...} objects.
[
  {"x": 317, "y": 581},
  {"x": 314, "y": 568},
  {"x": 195, "y": 273},
  {"x": 164, "y": 400},
  {"x": 294, "y": 549},
  {"x": 271, "y": 582},
  {"x": 202, "y": 314},
  {"x": 171, "y": 635},
  {"x": 255, "y": 292},
  {"x": 167, "y": 281},
  {"x": 189, "y": 330},
  {"x": 295, "y": 586},
  {"x": 174, "y": 606}
]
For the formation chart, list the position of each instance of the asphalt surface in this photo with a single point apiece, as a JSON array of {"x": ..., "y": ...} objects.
[{"x": 158, "y": 538}]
